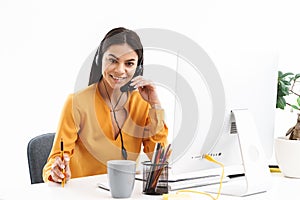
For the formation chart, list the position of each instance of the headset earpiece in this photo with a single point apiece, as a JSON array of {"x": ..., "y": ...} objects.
[{"x": 97, "y": 56}]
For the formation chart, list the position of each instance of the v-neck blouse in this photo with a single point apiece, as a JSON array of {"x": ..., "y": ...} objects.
[{"x": 86, "y": 128}]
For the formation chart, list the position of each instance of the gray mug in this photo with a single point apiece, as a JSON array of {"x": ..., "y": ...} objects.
[{"x": 121, "y": 177}]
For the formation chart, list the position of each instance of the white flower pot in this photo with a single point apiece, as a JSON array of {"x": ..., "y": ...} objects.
[{"x": 287, "y": 156}]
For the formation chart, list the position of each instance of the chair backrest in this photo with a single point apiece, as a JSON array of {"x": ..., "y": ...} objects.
[{"x": 38, "y": 150}]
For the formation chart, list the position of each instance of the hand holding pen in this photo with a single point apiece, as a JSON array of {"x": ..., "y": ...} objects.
[
  {"x": 63, "y": 170},
  {"x": 60, "y": 169}
]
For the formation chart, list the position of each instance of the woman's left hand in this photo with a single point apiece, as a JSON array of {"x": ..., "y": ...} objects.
[{"x": 147, "y": 90}]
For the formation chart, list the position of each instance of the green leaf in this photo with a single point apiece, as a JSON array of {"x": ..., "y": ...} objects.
[
  {"x": 287, "y": 74},
  {"x": 281, "y": 103},
  {"x": 284, "y": 90},
  {"x": 295, "y": 107},
  {"x": 285, "y": 82}
]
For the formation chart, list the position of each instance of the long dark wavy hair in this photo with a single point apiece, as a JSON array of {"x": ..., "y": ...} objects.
[{"x": 115, "y": 36}]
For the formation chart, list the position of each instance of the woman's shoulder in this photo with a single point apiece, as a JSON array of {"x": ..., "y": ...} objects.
[
  {"x": 91, "y": 89},
  {"x": 82, "y": 94}
]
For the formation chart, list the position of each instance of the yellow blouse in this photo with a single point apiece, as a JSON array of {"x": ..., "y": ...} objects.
[{"x": 87, "y": 131}]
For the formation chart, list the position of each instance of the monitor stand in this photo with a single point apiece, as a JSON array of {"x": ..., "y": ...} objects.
[{"x": 257, "y": 174}]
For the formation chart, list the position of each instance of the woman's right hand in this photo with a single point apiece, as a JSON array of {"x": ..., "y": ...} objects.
[{"x": 56, "y": 169}]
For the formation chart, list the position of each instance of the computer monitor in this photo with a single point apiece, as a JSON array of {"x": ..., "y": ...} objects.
[
  {"x": 249, "y": 80},
  {"x": 246, "y": 80},
  {"x": 198, "y": 91}
]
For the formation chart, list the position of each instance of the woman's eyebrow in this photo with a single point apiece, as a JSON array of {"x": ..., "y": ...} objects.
[
  {"x": 129, "y": 60},
  {"x": 113, "y": 56}
]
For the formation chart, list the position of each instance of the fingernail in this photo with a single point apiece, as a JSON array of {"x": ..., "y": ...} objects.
[
  {"x": 62, "y": 175},
  {"x": 62, "y": 166},
  {"x": 67, "y": 159}
]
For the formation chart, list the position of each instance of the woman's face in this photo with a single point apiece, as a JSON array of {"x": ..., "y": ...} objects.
[{"x": 118, "y": 65}]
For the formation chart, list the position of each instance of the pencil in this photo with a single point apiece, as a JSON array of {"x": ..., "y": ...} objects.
[
  {"x": 161, "y": 165},
  {"x": 62, "y": 158}
]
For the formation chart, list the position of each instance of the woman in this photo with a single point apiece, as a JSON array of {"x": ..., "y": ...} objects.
[{"x": 106, "y": 121}]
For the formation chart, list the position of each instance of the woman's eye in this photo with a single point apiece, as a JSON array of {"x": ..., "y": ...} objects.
[
  {"x": 130, "y": 64},
  {"x": 111, "y": 60}
]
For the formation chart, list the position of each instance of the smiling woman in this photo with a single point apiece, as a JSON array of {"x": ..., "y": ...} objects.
[
  {"x": 102, "y": 122},
  {"x": 119, "y": 62}
]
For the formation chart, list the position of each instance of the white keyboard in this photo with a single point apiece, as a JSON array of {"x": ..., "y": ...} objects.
[
  {"x": 196, "y": 182},
  {"x": 179, "y": 182}
]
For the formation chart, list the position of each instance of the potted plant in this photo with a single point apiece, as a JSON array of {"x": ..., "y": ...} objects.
[
  {"x": 285, "y": 88},
  {"x": 286, "y": 146}
]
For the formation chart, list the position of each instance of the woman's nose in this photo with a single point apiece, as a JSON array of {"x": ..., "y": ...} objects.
[{"x": 120, "y": 68}]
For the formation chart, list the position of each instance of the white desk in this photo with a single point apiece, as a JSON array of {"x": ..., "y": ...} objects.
[{"x": 86, "y": 188}]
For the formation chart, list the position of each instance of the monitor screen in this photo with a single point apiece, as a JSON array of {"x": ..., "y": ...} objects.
[
  {"x": 249, "y": 81},
  {"x": 198, "y": 91}
]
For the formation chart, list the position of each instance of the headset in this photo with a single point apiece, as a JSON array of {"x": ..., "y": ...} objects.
[{"x": 127, "y": 86}]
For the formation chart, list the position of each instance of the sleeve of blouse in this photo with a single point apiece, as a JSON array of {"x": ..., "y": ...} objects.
[
  {"x": 156, "y": 131},
  {"x": 67, "y": 129}
]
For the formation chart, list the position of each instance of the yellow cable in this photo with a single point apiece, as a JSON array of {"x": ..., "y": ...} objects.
[
  {"x": 211, "y": 159},
  {"x": 274, "y": 170}
]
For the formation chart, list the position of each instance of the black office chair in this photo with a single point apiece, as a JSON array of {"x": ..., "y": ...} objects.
[{"x": 38, "y": 150}]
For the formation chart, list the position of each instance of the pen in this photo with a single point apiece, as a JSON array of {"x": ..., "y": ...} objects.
[
  {"x": 62, "y": 158},
  {"x": 102, "y": 187},
  {"x": 161, "y": 157}
]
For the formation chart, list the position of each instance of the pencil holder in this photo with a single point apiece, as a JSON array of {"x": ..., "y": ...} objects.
[{"x": 155, "y": 178}]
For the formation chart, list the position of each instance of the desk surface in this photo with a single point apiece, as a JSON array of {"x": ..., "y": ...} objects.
[{"x": 86, "y": 188}]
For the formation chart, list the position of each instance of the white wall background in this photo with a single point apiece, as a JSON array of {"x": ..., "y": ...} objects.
[{"x": 44, "y": 43}]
